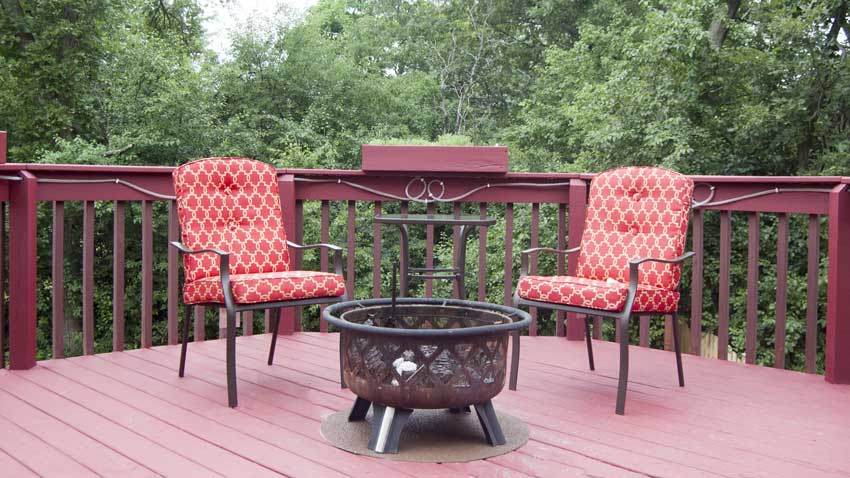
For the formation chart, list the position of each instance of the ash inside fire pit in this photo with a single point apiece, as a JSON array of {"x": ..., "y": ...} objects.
[{"x": 423, "y": 353}]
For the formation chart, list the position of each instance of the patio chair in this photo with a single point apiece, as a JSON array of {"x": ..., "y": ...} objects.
[
  {"x": 235, "y": 250},
  {"x": 629, "y": 260}
]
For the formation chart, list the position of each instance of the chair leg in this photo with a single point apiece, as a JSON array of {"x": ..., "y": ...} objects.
[
  {"x": 231, "y": 359},
  {"x": 678, "y": 349},
  {"x": 514, "y": 360},
  {"x": 589, "y": 344},
  {"x": 184, "y": 338},
  {"x": 275, "y": 326},
  {"x": 624, "y": 365}
]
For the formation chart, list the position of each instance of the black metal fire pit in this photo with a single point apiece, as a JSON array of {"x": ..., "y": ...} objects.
[{"x": 398, "y": 355}]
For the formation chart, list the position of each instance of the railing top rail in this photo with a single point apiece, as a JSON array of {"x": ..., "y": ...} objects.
[
  {"x": 85, "y": 168},
  {"x": 755, "y": 179},
  {"x": 97, "y": 168}
]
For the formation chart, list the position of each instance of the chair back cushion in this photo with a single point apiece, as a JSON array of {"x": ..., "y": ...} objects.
[
  {"x": 633, "y": 213},
  {"x": 231, "y": 204}
]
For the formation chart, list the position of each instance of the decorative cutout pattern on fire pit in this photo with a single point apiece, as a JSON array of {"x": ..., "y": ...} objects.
[{"x": 453, "y": 371}]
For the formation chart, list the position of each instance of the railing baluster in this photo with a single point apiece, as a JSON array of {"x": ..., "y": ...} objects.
[
  {"x": 429, "y": 250},
  {"x": 58, "y": 279},
  {"x": 812, "y": 294},
  {"x": 349, "y": 284},
  {"x": 299, "y": 255},
  {"x": 723, "y": 287},
  {"x": 118, "y": 276},
  {"x": 323, "y": 259},
  {"x": 668, "y": 332},
  {"x": 696, "y": 282},
  {"x": 403, "y": 282},
  {"x": 147, "y": 274},
  {"x": 643, "y": 331},
  {"x": 247, "y": 323},
  {"x": 88, "y": 277},
  {"x": 562, "y": 244},
  {"x": 535, "y": 241},
  {"x": 200, "y": 323},
  {"x": 376, "y": 254},
  {"x": 509, "y": 253},
  {"x": 753, "y": 231},
  {"x": 482, "y": 255},
  {"x": 173, "y": 272},
  {"x": 456, "y": 248},
  {"x": 781, "y": 290}
]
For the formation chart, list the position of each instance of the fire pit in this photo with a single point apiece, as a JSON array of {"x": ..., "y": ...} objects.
[{"x": 399, "y": 355}]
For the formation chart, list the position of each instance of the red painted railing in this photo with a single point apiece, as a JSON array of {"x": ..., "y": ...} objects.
[{"x": 526, "y": 201}]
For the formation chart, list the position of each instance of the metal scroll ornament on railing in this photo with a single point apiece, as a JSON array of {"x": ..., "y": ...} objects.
[
  {"x": 708, "y": 201},
  {"x": 428, "y": 193}
]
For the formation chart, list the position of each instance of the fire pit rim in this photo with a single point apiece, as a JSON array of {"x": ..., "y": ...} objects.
[{"x": 525, "y": 318}]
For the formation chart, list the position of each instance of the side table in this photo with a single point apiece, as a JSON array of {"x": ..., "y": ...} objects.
[{"x": 457, "y": 272}]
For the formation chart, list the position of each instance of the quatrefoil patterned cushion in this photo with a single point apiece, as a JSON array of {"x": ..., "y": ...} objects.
[
  {"x": 632, "y": 213},
  {"x": 233, "y": 204}
]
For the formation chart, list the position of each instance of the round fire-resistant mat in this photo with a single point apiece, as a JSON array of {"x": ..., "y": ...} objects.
[{"x": 432, "y": 436}]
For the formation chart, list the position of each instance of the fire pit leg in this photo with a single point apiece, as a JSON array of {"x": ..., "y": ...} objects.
[
  {"x": 359, "y": 410},
  {"x": 387, "y": 423},
  {"x": 490, "y": 423}
]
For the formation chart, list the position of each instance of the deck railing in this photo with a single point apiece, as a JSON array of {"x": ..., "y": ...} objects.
[{"x": 537, "y": 209}]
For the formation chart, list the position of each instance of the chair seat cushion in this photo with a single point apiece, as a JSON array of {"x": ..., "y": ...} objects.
[
  {"x": 595, "y": 294},
  {"x": 266, "y": 287}
]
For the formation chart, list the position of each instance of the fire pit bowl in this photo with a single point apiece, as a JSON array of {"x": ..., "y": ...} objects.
[{"x": 423, "y": 353}]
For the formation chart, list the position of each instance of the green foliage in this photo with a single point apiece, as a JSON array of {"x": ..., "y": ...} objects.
[{"x": 442, "y": 140}]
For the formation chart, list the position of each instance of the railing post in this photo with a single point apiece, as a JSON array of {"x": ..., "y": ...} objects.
[
  {"x": 22, "y": 267},
  {"x": 575, "y": 228},
  {"x": 838, "y": 288},
  {"x": 286, "y": 185}
]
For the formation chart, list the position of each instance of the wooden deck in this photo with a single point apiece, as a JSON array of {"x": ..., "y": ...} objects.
[{"x": 128, "y": 414}]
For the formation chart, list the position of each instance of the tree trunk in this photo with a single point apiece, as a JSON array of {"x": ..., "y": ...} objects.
[
  {"x": 719, "y": 28},
  {"x": 16, "y": 13}
]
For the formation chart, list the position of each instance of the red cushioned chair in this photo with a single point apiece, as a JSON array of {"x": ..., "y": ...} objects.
[
  {"x": 235, "y": 250},
  {"x": 629, "y": 260}
]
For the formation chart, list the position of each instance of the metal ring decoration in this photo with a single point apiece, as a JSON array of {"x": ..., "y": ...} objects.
[
  {"x": 425, "y": 187},
  {"x": 431, "y": 194},
  {"x": 711, "y": 189}
]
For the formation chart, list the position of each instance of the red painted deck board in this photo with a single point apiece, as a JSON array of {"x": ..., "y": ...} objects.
[
  {"x": 128, "y": 414},
  {"x": 70, "y": 441}
]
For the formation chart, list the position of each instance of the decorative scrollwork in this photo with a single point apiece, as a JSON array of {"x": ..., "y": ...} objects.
[
  {"x": 429, "y": 192},
  {"x": 708, "y": 202}
]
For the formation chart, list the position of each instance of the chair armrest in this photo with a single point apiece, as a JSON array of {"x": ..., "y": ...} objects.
[
  {"x": 336, "y": 250},
  {"x": 634, "y": 270},
  {"x": 675, "y": 260},
  {"x": 186, "y": 250},
  {"x": 524, "y": 255},
  {"x": 223, "y": 266}
]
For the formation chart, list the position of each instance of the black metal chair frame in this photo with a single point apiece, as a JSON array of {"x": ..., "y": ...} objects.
[
  {"x": 232, "y": 309},
  {"x": 622, "y": 317}
]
